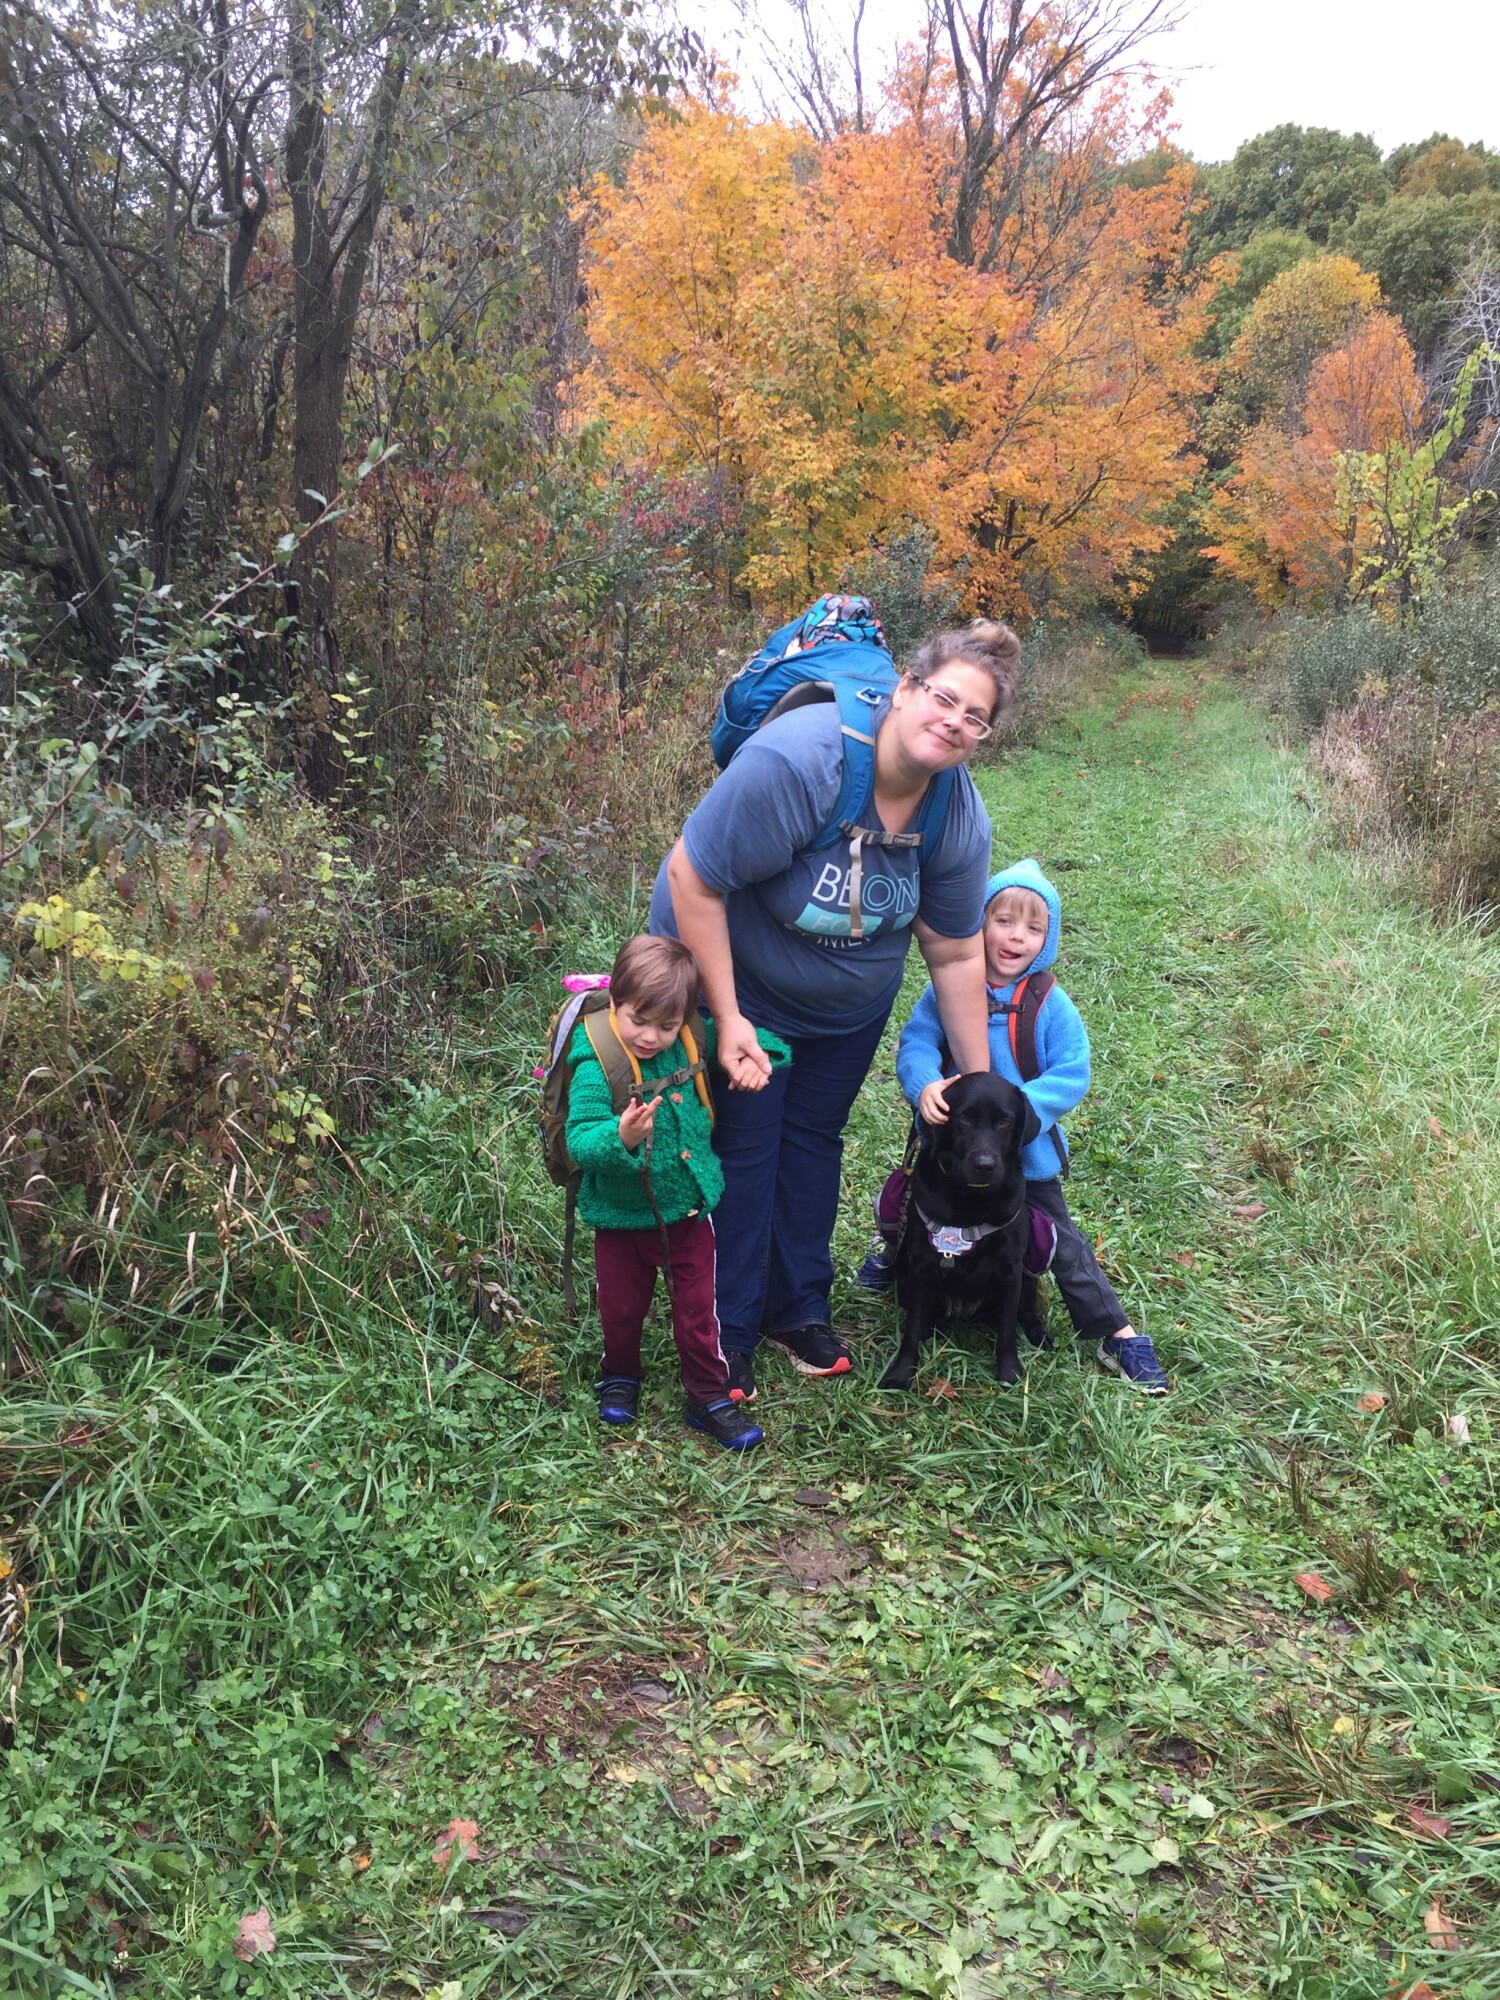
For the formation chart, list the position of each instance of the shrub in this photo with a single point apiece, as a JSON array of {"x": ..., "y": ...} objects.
[
  {"x": 166, "y": 1003},
  {"x": 1065, "y": 660},
  {"x": 1325, "y": 661},
  {"x": 897, "y": 579},
  {"x": 1458, "y": 644},
  {"x": 1406, "y": 769}
]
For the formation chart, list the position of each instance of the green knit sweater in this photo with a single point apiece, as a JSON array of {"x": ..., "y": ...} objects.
[{"x": 685, "y": 1174}]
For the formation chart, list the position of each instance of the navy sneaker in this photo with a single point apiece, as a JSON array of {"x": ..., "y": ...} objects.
[
  {"x": 878, "y": 1271},
  {"x": 618, "y": 1396},
  {"x": 725, "y": 1422},
  {"x": 1133, "y": 1359},
  {"x": 741, "y": 1374},
  {"x": 813, "y": 1350}
]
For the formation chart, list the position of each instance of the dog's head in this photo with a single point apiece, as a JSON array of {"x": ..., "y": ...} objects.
[{"x": 989, "y": 1122}]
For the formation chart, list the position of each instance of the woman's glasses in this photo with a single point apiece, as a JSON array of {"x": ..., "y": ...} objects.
[{"x": 970, "y": 721}]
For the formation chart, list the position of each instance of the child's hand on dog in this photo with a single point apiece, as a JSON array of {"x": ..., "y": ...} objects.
[
  {"x": 932, "y": 1105},
  {"x": 636, "y": 1123}
]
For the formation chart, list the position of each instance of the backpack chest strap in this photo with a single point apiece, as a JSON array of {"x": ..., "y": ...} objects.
[{"x": 859, "y": 838}]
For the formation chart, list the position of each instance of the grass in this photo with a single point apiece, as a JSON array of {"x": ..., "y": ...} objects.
[{"x": 958, "y": 1694}]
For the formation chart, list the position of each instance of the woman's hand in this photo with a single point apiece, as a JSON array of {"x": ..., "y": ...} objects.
[
  {"x": 932, "y": 1105},
  {"x": 636, "y": 1124},
  {"x": 741, "y": 1056}
]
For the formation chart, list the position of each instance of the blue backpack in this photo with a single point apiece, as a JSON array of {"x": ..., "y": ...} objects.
[{"x": 836, "y": 652}]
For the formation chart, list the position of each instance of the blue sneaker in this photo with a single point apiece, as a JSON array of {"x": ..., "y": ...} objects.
[
  {"x": 725, "y": 1421},
  {"x": 618, "y": 1396},
  {"x": 878, "y": 1271},
  {"x": 1133, "y": 1359}
]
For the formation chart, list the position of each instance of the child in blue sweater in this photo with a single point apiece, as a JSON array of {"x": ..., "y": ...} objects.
[{"x": 1022, "y": 923}]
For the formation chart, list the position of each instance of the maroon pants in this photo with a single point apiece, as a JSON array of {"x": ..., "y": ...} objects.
[{"x": 626, "y": 1262}]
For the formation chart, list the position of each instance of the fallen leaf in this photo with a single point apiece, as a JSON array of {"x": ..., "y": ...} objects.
[
  {"x": 1458, "y": 1429},
  {"x": 1249, "y": 1211},
  {"x": 1185, "y": 1258},
  {"x": 626, "y": 1774},
  {"x": 1052, "y": 1680},
  {"x": 941, "y": 1387},
  {"x": 1426, "y": 1822},
  {"x": 1442, "y": 1932},
  {"x": 1421, "y": 1991},
  {"x": 812, "y": 1496},
  {"x": 509, "y": 1919},
  {"x": 459, "y": 1842},
  {"x": 1312, "y": 1585},
  {"x": 1371, "y": 1401},
  {"x": 652, "y": 1692},
  {"x": 253, "y": 1935},
  {"x": 1434, "y": 1128}
]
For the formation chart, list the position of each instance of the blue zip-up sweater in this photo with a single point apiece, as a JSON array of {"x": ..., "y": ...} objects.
[{"x": 1062, "y": 1042}]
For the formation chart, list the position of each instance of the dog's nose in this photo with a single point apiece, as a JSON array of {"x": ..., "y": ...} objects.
[{"x": 984, "y": 1161}]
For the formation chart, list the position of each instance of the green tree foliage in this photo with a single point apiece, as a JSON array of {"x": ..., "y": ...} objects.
[
  {"x": 1294, "y": 177},
  {"x": 1418, "y": 246},
  {"x": 1263, "y": 258}
]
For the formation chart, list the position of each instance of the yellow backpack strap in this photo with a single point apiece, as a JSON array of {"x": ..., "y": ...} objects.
[
  {"x": 699, "y": 1069},
  {"x": 621, "y": 1070}
]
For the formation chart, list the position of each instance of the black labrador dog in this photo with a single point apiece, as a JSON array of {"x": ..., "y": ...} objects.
[{"x": 965, "y": 1232}]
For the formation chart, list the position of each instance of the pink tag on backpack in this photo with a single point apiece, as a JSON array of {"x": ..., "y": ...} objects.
[{"x": 584, "y": 982}]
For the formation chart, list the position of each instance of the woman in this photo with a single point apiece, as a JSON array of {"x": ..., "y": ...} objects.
[{"x": 768, "y": 919}]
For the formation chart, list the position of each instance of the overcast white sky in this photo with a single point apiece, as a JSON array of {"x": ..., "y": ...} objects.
[{"x": 1240, "y": 66}]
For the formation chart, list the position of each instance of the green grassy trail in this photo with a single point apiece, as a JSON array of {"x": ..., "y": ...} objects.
[{"x": 959, "y": 1694}]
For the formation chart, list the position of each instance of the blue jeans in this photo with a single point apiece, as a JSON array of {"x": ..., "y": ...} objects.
[{"x": 782, "y": 1149}]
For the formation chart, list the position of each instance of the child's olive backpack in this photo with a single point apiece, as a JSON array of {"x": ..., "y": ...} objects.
[
  {"x": 588, "y": 1001},
  {"x": 836, "y": 652}
]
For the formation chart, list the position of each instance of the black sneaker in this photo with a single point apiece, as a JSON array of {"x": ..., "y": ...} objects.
[
  {"x": 741, "y": 1374},
  {"x": 618, "y": 1396},
  {"x": 813, "y": 1350},
  {"x": 725, "y": 1422}
]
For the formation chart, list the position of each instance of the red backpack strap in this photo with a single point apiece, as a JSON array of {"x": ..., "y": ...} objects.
[{"x": 1025, "y": 1005}]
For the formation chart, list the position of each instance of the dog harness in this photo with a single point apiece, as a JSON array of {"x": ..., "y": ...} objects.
[{"x": 952, "y": 1240}]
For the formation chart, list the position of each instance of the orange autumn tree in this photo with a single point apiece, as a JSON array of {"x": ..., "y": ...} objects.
[
  {"x": 1296, "y": 515},
  {"x": 789, "y": 316}
]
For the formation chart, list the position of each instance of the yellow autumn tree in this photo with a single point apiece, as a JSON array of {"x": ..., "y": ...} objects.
[
  {"x": 789, "y": 316},
  {"x": 1303, "y": 314}
]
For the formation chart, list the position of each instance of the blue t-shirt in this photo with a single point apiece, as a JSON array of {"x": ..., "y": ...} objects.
[{"x": 796, "y": 968}]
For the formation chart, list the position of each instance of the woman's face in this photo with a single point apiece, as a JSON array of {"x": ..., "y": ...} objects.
[{"x": 942, "y": 718}]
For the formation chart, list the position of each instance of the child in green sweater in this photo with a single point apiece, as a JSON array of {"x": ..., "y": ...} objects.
[{"x": 650, "y": 1181}]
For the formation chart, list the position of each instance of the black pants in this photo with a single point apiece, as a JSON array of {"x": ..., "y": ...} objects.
[{"x": 1086, "y": 1292}]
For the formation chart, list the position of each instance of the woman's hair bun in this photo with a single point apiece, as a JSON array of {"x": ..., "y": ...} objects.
[{"x": 983, "y": 643}]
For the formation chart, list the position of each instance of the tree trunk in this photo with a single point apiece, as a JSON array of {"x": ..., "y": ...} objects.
[
  {"x": 331, "y": 238},
  {"x": 39, "y": 482}
]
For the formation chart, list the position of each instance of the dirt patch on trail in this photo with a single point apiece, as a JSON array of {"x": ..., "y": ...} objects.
[
  {"x": 585, "y": 1703},
  {"x": 821, "y": 1560}
]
